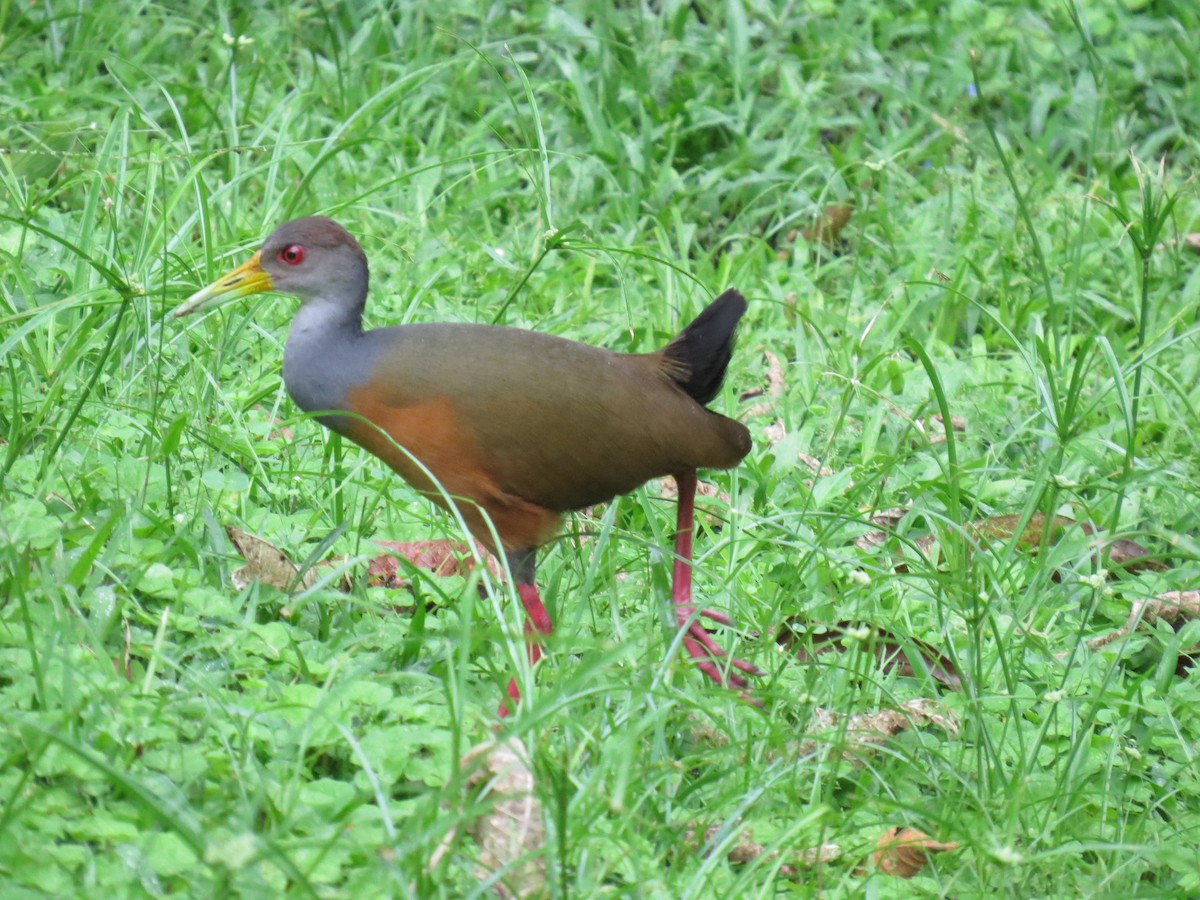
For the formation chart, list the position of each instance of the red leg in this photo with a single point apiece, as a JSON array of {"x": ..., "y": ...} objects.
[
  {"x": 536, "y": 620},
  {"x": 697, "y": 640}
]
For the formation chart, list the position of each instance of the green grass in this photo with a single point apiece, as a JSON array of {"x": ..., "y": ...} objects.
[{"x": 599, "y": 173}]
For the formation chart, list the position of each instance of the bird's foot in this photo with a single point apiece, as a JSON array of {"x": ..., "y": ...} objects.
[
  {"x": 704, "y": 650},
  {"x": 514, "y": 694},
  {"x": 537, "y": 624}
]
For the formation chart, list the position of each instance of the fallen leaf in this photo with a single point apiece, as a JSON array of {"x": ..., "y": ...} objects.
[
  {"x": 511, "y": 833},
  {"x": 903, "y": 852},
  {"x": 815, "y": 466},
  {"x": 266, "y": 564},
  {"x": 889, "y": 518},
  {"x": 826, "y": 228},
  {"x": 1189, "y": 241},
  {"x": 861, "y": 731},
  {"x": 882, "y": 519},
  {"x": 444, "y": 558},
  {"x": 934, "y": 427},
  {"x": 949, "y": 127},
  {"x": 745, "y": 849},
  {"x": 1173, "y": 607},
  {"x": 790, "y": 313},
  {"x": 669, "y": 490},
  {"x": 282, "y": 432},
  {"x": 773, "y": 390},
  {"x": 1133, "y": 556},
  {"x": 784, "y": 251},
  {"x": 1122, "y": 552},
  {"x": 123, "y": 666},
  {"x": 826, "y": 852},
  {"x": 796, "y": 632},
  {"x": 384, "y": 571},
  {"x": 703, "y": 732}
]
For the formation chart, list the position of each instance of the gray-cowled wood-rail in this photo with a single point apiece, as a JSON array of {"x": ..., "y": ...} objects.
[{"x": 522, "y": 426}]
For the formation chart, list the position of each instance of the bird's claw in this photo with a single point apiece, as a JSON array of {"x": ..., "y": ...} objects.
[{"x": 705, "y": 651}]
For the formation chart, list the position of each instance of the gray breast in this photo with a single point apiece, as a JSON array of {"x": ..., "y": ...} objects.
[{"x": 325, "y": 356}]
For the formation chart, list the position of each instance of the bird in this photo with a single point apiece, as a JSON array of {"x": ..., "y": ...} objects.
[{"x": 519, "y": 427}]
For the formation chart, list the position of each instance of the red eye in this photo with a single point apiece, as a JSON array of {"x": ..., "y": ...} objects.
[{"x": 293, "y": 255}]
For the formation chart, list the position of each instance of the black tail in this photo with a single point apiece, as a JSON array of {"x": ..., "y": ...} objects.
[{"x": 699, "y": 355}]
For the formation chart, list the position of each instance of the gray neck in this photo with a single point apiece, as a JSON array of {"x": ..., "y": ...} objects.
[{"x": 325, "y": 355}]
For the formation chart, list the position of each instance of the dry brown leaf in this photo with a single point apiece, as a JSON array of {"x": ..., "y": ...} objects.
[
  {"x": 1132, "y": 556},
  {"x": 903, "y": 852},
  {"x": 820, "y": 638},
  {"x": 949, "y": 127},
  {"x": 703, "y": 732},
  {"x": 746, "y": 849},
  {"x": 924, "y": 711},
  {"x": 1189, "y": 241},
  {"x": 443, "y": 558},
  {"x": 1172, "y": 607},
  {"x": 669, "y": 490},
  {"x": 511, "y": 833},
  {"x": 282, "y": 432},
  {"x": 790, "y": 313},
  {"x": 885, "y": 723},
  {"x": 123, "y": 666},
  {"x": 816, "y": 466},
  {"x": 889, "y": 518},
  {"x": 871, "y": 541},
  {"x": 1122, "y": 552},
  {"x": 934, "y": 427},
  {"x": 384, "y": 571},
  {"x": 883, "y": 519},
  {"x": 867, "y": 730},
  {"x": 784, "y": 251},
  {"x": 772, "y": 391},
  {"x": 826, "y": 852},
  {"x": 826, "y": 229},
  {"x": 266, "y": 564},
  {"x": 705, "y": 492},
  {"x": 775, "y": 432},
  {"x": 775, "y": 382}
]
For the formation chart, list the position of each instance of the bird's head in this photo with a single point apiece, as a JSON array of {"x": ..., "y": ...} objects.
[{"x": 313, "y": 258}]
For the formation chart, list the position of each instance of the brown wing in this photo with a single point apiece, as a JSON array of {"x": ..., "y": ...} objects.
[{"x": 545, "y": 421}]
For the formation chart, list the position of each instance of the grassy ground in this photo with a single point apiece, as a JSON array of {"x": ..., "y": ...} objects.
[{"x": 1021, "y": 191}]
